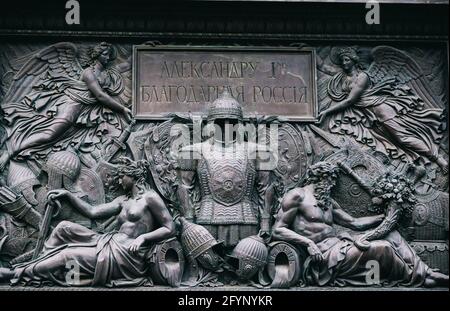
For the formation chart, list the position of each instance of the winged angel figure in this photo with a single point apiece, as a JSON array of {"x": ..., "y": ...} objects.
[
  {"x": 62, "y": 97},
  {"x": 389, "y": 107}
]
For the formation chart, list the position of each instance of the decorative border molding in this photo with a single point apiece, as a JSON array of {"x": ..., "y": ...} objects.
[{"x": 220, "y": 36}]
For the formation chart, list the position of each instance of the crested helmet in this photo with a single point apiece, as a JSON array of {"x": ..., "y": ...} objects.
[
  {"x": 225, "y": 107},
  {"x": 252, "y": 254}
]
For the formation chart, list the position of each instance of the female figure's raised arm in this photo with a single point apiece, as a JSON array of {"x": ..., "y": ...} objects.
[{"x": 92, "y": 212}]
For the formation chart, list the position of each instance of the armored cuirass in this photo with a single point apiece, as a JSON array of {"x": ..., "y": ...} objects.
[{"x": 227, "y": 180}]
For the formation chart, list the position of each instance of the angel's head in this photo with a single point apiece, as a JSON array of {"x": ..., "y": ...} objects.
[
  {"x": 347, "y": 58},
  {"x": 103, "y": 53}
]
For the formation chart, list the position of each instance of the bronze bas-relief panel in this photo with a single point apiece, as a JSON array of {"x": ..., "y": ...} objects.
[
  {"x": 266, "y": 81},
  {"x": 373, "y": 169}
]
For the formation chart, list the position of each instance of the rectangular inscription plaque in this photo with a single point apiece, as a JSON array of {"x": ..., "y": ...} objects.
[{"x": 266, "y": 81}]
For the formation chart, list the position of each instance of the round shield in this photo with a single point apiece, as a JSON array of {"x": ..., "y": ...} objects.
[
  {"x": 292, "y": 156},
  {"x": 90, "y": 183},
  {"x": 420, "y": 214},
  {"x": 348, "y": 191},
  {"x": 430, "y": 216},
  {"x": 292, "y": 149}
]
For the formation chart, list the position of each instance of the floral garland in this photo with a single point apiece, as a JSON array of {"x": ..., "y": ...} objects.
[{"x": 393, "y": 188}]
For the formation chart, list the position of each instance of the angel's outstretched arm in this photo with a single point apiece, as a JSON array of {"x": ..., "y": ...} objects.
[{"x": 358, "y": 88}]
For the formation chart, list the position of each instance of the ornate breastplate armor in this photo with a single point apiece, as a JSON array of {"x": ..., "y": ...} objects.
[{"x": 227, "y": 180}]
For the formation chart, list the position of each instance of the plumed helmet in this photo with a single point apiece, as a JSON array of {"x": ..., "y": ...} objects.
[
  {"x": 252, "y": 254},
  {"x": 225, "y": 107},
  {"x": 196, "y": 239},
  {"x": 66, "y": 163}
]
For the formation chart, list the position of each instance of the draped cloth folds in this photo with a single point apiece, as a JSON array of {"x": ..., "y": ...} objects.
[
  {"x": 417, "y": 131},
  {"x": 346, "y": 265},
  {"x": 59, "y": 102}
]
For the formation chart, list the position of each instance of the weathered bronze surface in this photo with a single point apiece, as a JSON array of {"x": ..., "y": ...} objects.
[{"x": 186, "y": 80}]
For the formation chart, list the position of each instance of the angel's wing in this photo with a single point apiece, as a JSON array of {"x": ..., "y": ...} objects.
[
  {"x": 389, "y": 62},
  {"x": 57, "y": 59},
  {"x": 323, "y": 98},
  {"x": 126, "y": 94},
  {"x": 12, "y": 58},
  {"x": 325, "y": 71}
]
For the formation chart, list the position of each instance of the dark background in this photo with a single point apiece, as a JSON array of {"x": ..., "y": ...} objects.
[{"x": 233, "y": 22}]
